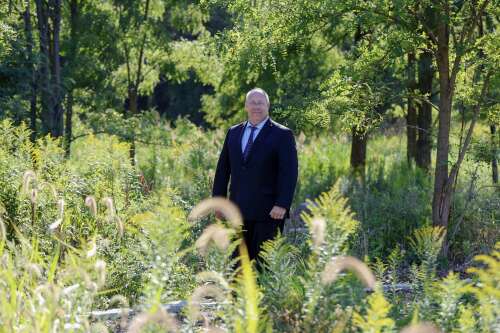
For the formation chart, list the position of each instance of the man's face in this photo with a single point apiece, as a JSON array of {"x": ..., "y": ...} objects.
[{"x": 256, "y": 107}]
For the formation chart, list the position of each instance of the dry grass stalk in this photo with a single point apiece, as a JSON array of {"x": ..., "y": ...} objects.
[
  {"x": 35, "y": 270},
  {"x": 119, "y": 225},
  {"x": 160, "y": 317},
  {"x": 3, "y": 231},
  {"x": 318, "y": 227},
  {"x": 33, "y": 195},
  {"x": 421, "y": 328},
  {"x": 29, "y": 187},
  {"x": 108, "y": 202},
  {"x": 92, "y": 251},
  {"x": 218, "y": 234},
  {"x": 223, "y": 205},
  {"x": 100, "y": 267},
  {"x": 91, "y": 204},
  {"x": 60, "y": 207},
  {"x": 341, "y": 263},
  {"x": 28, "y": 177}
]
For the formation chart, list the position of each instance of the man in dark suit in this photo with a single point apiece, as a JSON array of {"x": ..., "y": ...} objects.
[{"x": 260, "y": 157}]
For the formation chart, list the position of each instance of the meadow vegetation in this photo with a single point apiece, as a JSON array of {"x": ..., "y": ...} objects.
[{"x": 92, "y": 232}]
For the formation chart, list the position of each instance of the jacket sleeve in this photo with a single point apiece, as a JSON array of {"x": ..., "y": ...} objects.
[
  {"x": 223, "y": 171},
  {"x": 287, "y": 170}
]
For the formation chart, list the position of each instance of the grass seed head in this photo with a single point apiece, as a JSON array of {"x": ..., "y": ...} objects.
[
  {"x": 28, "y": 177},
  {"x": 160, "y": 317},
  {"x": 91, "y": 204},
  {"x": 421, "y": 328},
  {"x": 100, "y": 267},
  {"x": 55, "y": 224},
  {"x": 225, "y": 206},
  {"x": 318, "y": 227},
  {"x": 34, "y": 270},
  {"x": 92, "y": 251},
  {"x": 200, "y": 294},
  {"x": 341, "y": 263},
  {"x": 108, "y": 202},
  {"x": 122, "y": 301},
  {"x": 218, "y": 234}
]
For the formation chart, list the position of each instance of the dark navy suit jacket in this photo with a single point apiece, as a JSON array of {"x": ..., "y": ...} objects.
[{"x": 269, "y": 175}]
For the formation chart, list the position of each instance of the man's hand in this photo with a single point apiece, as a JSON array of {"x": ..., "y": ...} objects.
[{"x": 277, "y": 212}]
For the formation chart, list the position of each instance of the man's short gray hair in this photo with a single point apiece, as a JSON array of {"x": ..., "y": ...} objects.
[{"x": 260, "y": 91}]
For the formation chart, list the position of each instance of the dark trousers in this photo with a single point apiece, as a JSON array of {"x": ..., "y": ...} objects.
[{"x": 255, "y": 233}]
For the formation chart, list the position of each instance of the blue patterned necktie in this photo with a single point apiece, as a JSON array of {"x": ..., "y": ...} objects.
[{"x": 248, "y": 147}]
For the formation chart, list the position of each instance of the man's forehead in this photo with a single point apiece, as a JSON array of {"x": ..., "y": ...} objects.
[{"x": 255, "y": 93}]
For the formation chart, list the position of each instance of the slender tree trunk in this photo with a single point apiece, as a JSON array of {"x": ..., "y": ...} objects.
[
  {"x": 358, "y": 152},
  {"x": 28, "y": 27},
  {"x": 133, "y": 90},
  {"x": 443, "y": 182},
  {"x": 441, "y": 201},
  {"x": 424, "y": 118},
  {"x": 74, "y": 25},
  {"x": 493, "y": 128},
  {"x": 133, "y": 108},
  {"x": 57, "y": 114},
  {"x": 411, "y": 116},
  {"x": 44, "y": 72},
  {"x": 494, "y": 148},
  {"x": 359, "y": 140},
  {"x": 68, "y": 126}
]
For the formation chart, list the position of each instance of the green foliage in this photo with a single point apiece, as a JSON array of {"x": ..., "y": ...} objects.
[
  {"x": 339, "y": 222},
  {"x": 426, "y": 243},
  {"x": 486, "y": 291},
  {"x": 376, "y": 319},
  {"x": 164, "y": 230}
]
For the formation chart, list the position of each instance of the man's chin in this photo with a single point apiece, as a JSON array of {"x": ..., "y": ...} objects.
[{"x": 257, "y": 117}]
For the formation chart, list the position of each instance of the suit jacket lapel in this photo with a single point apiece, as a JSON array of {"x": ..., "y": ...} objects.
[{"x": 238, "y": 143}]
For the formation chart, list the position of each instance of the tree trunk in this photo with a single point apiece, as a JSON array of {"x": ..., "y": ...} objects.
[
  {"x": 358, "y": 152},
  {"x": 57, "y": 114},
  {"x": 424, "y": 118},
  {"x": 441, "y": 201},
  {"x": 494, "y": 161},
  {"x": 28, "y": 28},
  {"x": 411, "y": 116},
  {"x": 68, "y": 127},
  {"x": 132, "y": 97},
  {"x": 44, "y": 72},
  {"x": 74, "y": 24}
]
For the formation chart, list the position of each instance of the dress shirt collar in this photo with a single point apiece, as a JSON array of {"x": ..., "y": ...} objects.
[{"x": 259, "y": 125}]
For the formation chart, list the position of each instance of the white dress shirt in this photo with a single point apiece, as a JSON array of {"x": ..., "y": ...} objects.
[{"x": 248, "y": 130}]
